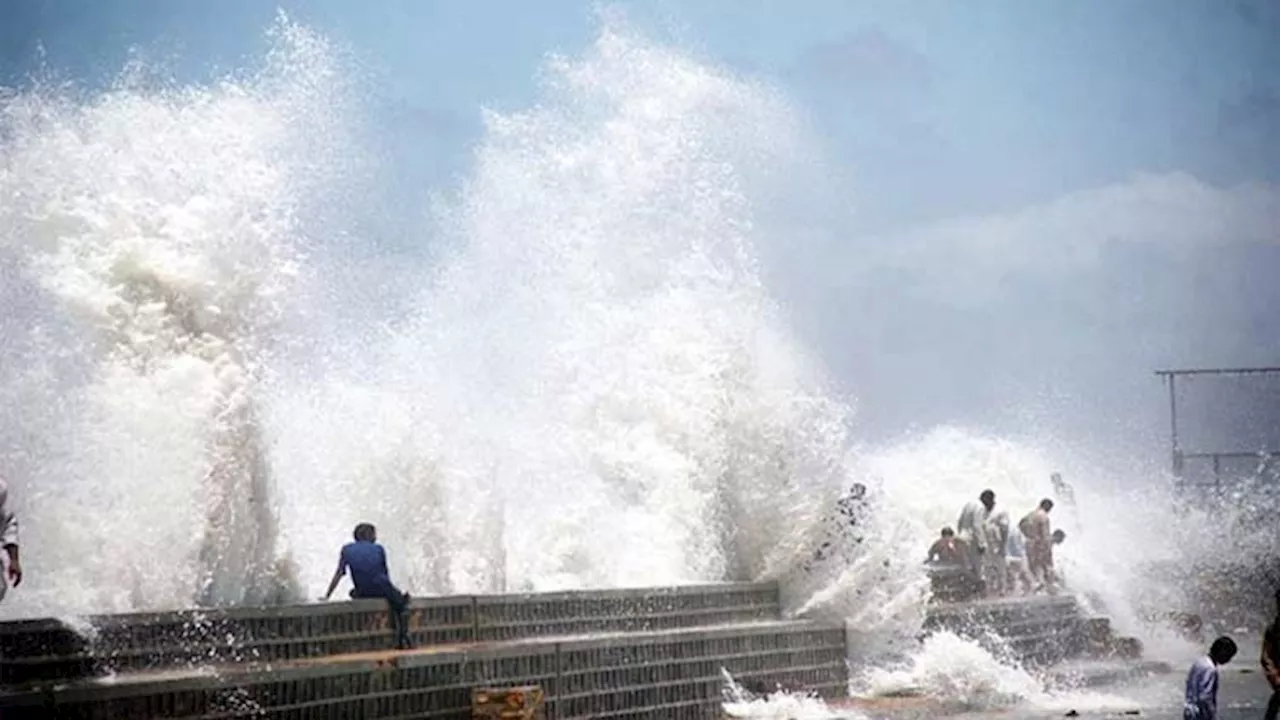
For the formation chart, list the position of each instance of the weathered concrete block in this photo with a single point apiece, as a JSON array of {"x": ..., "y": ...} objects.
[{"x": 524, "y": 702}]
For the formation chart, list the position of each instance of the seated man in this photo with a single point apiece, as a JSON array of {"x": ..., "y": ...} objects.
[
  {"x": 947, "y": 550},
  {"x": 951, "y": 577},
  {"x": 368, "y": 564}
]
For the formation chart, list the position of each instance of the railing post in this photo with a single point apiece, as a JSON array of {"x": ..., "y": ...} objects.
[
  {"x": 555, "y": 690},
  {"x": 1173, "y": 427}
]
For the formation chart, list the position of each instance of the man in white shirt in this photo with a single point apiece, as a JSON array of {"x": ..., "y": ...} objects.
[
  {"x": 972, "y": 528},
  {"x": 9, "y": 539},
  {"x": 1201, "y": 699}
]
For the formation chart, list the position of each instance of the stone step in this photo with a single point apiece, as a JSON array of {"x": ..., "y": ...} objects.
[
  {"x": 1005, "y": 610},
  {"x": 918, "y": 704},
  {"x": 673, "y": 673},
  {"x": 1038, "y": 631},
  {"x": 1081, "y": 674},
  {"x": 48, "y": 649}
]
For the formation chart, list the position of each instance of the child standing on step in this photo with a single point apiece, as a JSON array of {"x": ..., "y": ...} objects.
[
  {"x": 1201, "y": 701},
  {"x": 367, "y": 562}
]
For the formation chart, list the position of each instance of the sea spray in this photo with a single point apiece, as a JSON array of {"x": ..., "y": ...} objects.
[
  {"x": 957, "y": 670},
  {"x": 162, "y": 223},
  {"x": 739, "y": 702},
  {"x": 599, "y": 381}
]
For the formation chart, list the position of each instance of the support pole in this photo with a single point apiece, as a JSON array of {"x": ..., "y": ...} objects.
[{"x": 1173, "y": 428}]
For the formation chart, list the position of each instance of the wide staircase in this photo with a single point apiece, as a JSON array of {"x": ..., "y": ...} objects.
[
  {"x": 646, "y": 653},
  {"x": 1051, "y": 634},
  {"x": 1037, "y": 631}
]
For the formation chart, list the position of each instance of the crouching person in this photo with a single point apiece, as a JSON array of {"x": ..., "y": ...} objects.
[{"x": 367, "y": 562}]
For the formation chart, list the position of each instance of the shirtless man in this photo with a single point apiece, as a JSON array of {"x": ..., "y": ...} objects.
[
  {"x": 1062, "y": 490},
  {"x": 947, "y": 550},
  {"x": 1039, "y": 534}
]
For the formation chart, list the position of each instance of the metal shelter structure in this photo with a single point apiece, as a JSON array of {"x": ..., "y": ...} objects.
[{"x": 1178, "y": 456}]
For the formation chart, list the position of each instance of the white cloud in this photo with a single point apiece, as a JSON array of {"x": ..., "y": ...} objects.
[{"x": 970, "y": 256}]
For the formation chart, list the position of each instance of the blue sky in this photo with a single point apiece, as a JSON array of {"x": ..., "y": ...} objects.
[
  {"x": 942, "y": 108},
  {"x": 1122, "y": 126}
]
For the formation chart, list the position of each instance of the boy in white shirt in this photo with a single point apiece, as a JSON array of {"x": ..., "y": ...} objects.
[{"x": 1201, "y": 700}]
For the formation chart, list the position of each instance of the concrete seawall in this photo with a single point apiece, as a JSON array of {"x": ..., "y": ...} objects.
[
  {"x": 635, "y": 653},
  {"x": 654, "y": 652}
]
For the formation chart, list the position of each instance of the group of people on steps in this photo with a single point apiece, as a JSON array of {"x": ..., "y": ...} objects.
[{"x": 1003, "y": 557}]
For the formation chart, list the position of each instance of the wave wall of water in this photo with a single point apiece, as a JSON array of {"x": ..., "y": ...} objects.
[{"x": 154, "y": 231}]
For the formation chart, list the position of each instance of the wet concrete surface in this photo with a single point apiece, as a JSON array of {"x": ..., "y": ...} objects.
[{"x": 1243, "y": 694}]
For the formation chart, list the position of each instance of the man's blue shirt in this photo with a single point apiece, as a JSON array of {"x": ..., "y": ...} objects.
[{"x": 367, "y": 562}]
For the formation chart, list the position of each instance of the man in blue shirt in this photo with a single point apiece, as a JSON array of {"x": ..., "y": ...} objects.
[{"x": 367, "y": 562}]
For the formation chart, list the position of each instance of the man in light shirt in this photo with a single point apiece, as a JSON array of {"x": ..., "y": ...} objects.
[
  {"x": 972, "y": 530},
  {"x": 1201, "y": 700},
  {"x": 1017, "y": 574},
  {"x": 995, "y": 561},
  {"x": 9, "y": 539}
]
